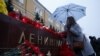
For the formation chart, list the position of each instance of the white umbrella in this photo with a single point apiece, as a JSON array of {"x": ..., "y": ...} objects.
[{"x": 61, "y": 13}]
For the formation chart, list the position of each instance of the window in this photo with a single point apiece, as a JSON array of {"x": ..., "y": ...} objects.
[
  {"x": 21, "y": 1},
  {"x": 37, "y": 10},
  {"x": 40, "y": 13}
]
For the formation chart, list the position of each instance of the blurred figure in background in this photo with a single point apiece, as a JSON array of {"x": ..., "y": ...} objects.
[
  {"x": 95, "y": 44},
  {"x": 3, "y": 7}
]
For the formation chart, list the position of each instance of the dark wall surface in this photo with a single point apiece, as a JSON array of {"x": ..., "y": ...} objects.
[{"x": 11, "y": 34}]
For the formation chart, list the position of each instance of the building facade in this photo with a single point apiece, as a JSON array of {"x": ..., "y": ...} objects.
[{"x": 29, "y": 8}]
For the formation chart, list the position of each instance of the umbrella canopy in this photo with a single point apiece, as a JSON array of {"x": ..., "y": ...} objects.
[{"x": 61, "y": 13}]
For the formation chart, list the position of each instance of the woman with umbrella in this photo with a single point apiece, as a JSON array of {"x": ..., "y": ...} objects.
[{"x": 75, "y": 34}]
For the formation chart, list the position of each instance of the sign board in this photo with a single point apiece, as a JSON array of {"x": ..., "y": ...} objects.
[{"x": 12, "y": 33}]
